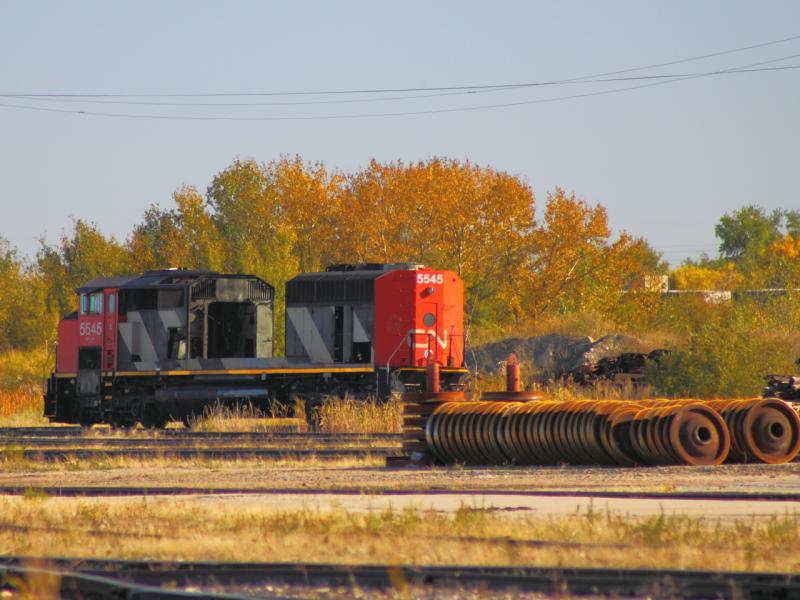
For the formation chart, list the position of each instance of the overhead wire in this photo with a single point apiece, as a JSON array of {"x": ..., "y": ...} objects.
[
  {"x": 502, "y": 86},
  {"x": 395, "y": 98},
  {"x": 661, "y": 80},
  {"x": 398, "y": 113}
]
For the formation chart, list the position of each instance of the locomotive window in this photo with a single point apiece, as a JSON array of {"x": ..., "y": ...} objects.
[
  {"x": 84, "y": 304},
  {"x": 170, "y": 298},
  {"x": 111, "y": 304},
  {"x": 96, "y": 304},
  {"x": 429, "y": 320},
  {"x": 142, "y": 300}
]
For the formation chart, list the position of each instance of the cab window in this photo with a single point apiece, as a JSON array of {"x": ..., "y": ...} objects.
[
  {"x": 96, "y": 304},
  {"x": 84, "y": 303}
]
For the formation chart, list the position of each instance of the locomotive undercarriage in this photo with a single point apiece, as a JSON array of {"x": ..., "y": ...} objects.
[{"x": 153, "y": 401}]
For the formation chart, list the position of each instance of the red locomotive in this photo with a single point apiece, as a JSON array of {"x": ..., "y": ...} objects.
[{"x": 165, "y": 344}]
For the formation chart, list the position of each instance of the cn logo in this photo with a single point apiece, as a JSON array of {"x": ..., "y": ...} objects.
[{"x": 418, "y": 338}]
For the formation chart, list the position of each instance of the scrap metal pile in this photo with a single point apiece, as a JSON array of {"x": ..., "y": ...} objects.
[{"x": 517, "y": 427}]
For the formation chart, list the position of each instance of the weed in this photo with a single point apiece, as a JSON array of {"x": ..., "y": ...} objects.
[{"x": 360, "y": 416}]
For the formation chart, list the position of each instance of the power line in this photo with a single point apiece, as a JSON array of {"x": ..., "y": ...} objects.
[
  {"x": 751, "y": 68},
  {"x": 412, "y": 89},
  {"x": 395, "y": 98},
  {"x": 404, "y": 113}
]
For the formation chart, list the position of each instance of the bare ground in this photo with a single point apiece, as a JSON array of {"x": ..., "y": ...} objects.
[{"x": 368, "y": 475}]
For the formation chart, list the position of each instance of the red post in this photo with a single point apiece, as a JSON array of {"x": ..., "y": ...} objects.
[
  {"x": 432, "y": 378},
  {"x": 513, "y": 380}
]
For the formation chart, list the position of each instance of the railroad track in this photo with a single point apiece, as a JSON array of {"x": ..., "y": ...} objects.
[
  {"x": 90, "y": 578},
  {"x": 216, "y": 443},
  {"x": 62, "y": 454},
  {"x": 121, "y": 491},
  {"x": 41, "y": 444},
  {"x": 19, "y": 433}
]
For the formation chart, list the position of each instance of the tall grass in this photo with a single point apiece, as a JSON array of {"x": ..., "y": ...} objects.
[
  {"x": 21, "y": 407},
  {"x": 245, "y": 417},
  {"x": 341, "y": 415}
]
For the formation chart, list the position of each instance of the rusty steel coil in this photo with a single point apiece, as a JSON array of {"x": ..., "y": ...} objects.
[
  {"x": 684, "y": 433},
  {"x": 417, "y": 408},
  {"x": 584, "y": 432},
  {"x": 763, "y": 430}
]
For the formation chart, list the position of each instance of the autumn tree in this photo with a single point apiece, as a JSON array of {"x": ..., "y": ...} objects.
[
  {"x": 82, "y": 256},
  {"x": 707, "y": 275},
  {"x": 307, "y": 196},
  {"x": 575, "y": 264},
  {"x": 185, "y": 236},
  {"x": 445, "y": 213}
]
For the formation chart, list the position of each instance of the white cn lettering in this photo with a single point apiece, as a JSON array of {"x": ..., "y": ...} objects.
[{"x": 418, "y": 338}]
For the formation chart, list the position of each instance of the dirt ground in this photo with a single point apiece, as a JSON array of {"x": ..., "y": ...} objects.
[{"x": 726, "y": 478}]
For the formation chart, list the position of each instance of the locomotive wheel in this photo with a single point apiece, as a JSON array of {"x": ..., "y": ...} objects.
[{"x": 153, "y": 418}]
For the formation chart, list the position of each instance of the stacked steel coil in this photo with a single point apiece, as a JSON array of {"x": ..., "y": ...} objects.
[
  {"x": 763, "y": 430},
  {"x": 528, "y": 430},
  {"x": 417, "y": 409}
]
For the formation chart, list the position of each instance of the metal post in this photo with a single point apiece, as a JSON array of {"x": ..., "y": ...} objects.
[
  {"x": 513, "y": 381},
  {"x": 432, "y": 378}
]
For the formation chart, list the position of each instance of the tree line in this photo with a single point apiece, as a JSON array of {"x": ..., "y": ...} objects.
[
  {"x": 277, "y": 219},
  {"x": 530, "y": 264}
]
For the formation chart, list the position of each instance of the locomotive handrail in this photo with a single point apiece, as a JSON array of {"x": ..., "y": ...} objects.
[{"x": 406, "y": 340}]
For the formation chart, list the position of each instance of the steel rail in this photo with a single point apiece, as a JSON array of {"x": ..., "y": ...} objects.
[
  {"x": 87, "y": 586},
  {"x": 560, "y": 580},
  {"x": 53, "y": 455},
  {"x": 78, "y": 432},
  {"x": 213, "y": 443},
  {"x": 121, "y": 491}
]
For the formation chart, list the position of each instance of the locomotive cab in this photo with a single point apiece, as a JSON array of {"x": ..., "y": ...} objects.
[{"x": 128, "y": 332}]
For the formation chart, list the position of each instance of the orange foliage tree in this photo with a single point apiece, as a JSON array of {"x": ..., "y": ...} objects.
[{"x": 288, "y": 216}]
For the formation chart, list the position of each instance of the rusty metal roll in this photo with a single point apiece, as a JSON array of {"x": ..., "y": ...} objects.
[
  {"x": 595, "y": 432},
  {"x": 763, "y": 430},
  {"x": 417, "y": 408},
  {"x": 685, "y": 433}
]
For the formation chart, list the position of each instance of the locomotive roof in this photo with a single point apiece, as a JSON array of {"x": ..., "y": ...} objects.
[
  {"x": 340, "y": 283},
  {"x": 162, "y": 278}
]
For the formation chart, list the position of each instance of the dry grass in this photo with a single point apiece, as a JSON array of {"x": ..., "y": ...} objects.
[
  {"x": 341, "y": 415},
  {"x": 245, "y": 417},
  {"x": 565, "y": 390},
  {"x": 24, "y": 369},
  {"x": 22, "y": 407},
  {"x": 181, "y": 529},
  {"x": 13, "y": 461}
]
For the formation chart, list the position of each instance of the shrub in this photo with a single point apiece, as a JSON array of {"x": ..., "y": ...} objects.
[{"x": 729, "y": 353}]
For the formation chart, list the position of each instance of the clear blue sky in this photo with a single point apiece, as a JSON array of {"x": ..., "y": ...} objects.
[{"x": 667, "y": 161}]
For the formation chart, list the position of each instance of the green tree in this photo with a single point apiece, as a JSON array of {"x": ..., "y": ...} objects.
[
  {"x": 749, "y": 236},
  {"x": 749, "y": 230},
  {"x": 256, "y": 235}
]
